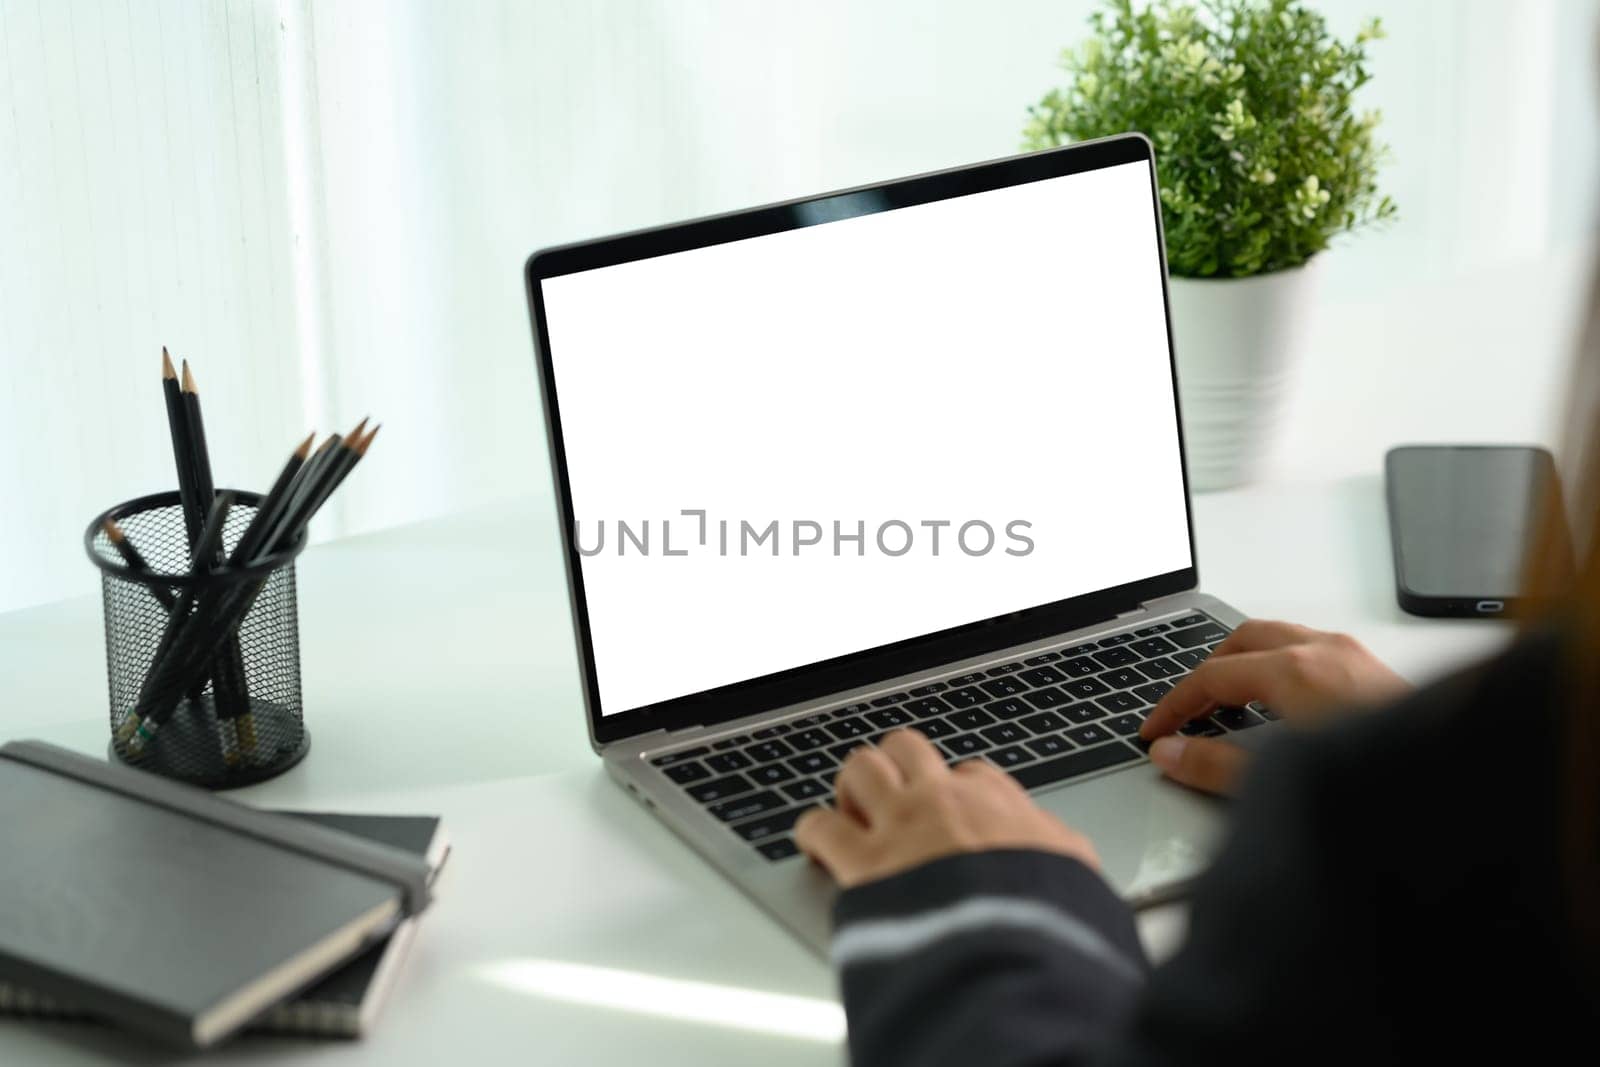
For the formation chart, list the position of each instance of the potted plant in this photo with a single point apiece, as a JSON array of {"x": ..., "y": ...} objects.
[{"x": 1262, "y": 160}]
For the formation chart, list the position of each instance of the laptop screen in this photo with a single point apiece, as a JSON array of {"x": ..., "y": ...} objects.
[{"x": 794, "y": 447}]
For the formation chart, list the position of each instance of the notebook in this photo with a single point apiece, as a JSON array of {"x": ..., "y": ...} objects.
[
  {"x": 174, "y": 912},
  {"x": 343, "y": 1004}
]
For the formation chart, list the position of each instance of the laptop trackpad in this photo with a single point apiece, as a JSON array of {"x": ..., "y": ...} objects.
[{"x": 1152, "y": 834}]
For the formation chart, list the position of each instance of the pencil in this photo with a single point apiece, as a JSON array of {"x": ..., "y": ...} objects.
[
  {"x": 163, "y": 684},
  {"x": 199, "y": 454},
  {"x": 136, "y": 562},
  {"x": 182, "y": 450}
]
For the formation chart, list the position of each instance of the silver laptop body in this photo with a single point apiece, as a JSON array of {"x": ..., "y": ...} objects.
[{"x": 1038, "y": 688}]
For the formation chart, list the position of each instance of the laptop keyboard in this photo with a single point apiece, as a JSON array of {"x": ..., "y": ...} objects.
[{"x": 1044, "y": 719}]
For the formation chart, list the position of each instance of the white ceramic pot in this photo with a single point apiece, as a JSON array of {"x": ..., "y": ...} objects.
[{"x": 1238, "y": 341}]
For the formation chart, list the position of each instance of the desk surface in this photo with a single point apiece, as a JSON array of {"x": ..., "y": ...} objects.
[{"x": 570, "y": 927}]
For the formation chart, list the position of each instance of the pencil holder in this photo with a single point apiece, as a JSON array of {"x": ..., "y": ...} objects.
[{"x": 217, "y": 654}]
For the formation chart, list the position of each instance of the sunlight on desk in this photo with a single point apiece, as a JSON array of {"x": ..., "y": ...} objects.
[{"x": 672, "y": 998}]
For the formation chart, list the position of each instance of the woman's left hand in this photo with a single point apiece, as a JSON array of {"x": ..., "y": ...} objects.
[{"x": 899, "y": 806}]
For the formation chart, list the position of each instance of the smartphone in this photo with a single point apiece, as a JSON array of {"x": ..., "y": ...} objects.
[{"x": 1461, "y": 518}]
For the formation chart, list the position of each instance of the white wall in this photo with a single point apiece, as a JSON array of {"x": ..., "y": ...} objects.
[{"x": 327, "y": 204}]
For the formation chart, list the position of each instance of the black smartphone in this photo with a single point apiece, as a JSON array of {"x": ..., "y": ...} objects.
[{"x": 1461, "y": 518}]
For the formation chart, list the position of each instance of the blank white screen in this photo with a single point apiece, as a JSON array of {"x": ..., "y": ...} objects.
[{"x": 999, "y": 356}]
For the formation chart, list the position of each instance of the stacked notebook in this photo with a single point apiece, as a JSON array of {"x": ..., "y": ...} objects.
[{"x": 152, "y": 905}]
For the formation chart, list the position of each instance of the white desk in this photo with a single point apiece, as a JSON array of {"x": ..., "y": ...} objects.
[{"x": 439, "y": 678}]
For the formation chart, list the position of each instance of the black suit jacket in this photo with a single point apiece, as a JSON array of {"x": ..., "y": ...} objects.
[{"x": 1390, "y": 892}]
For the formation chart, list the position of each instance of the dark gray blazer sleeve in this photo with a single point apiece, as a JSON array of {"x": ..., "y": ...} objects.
[{"x": 995, "y": 958}]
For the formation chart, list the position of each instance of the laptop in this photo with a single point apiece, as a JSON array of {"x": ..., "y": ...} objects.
[{"x": 905, "y": 455}]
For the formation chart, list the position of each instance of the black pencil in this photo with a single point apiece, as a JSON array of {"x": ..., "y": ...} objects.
[
  {"x": 136, "y": 562},
  {"x": 164, "y": 682},
  {"x": 182, "y": 449},
  {"x": 199, "y": 453},
  {"x": 271, "y": 506},
  {"x": 217, "y": 618}
]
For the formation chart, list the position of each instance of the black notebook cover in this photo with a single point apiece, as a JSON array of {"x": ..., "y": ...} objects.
[
  {"x": 171, "y": 911},
  {"x": 342, "y": 1004}
]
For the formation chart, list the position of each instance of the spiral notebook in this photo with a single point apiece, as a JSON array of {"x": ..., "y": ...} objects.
[{"x": 345, "y": 1002}]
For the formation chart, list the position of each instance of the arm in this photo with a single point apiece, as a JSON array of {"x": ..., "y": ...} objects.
[
  {"x": 998, "y": 958},
  {"x": 973, "y": 927}
]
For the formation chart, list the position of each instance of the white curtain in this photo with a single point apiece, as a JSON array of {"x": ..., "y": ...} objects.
[{"x": 326, "y": 205}]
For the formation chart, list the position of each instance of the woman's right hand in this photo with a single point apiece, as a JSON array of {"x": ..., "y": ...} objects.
[{"x": 1301, "y": 673}]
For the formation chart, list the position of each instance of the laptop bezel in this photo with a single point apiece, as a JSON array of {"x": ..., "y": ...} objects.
[{"x": 812, "y": 681}]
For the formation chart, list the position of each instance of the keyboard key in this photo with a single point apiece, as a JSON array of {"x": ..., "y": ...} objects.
[
  {"x": 1159, "y": 627},
  {"x": 806, "y": 740},
  {"x": 852, "y": 709},
  {"x": 723, "y": 762},
  {"x": 839, "y": 752},
  {"x": 806, "y": 789},
  {"x": 1009, "y": 708},
  {"x": 678, "y": 757},
  {"x": 1234, "y": 718},
  {"x": 1047, "y": 698},
  {"x": 1089, "y": 735},
  {"x": 1004, "y": 733},
  {"x": 1042, "y": 659},
  {"x": 1080, "y": 650},
  {"x": 744, "y": 807},
  {"x": 1073, "y": 764},
  {"x": 1160, "y": 667},
  {"x": 770, "y": 774},
  {"x": 1115, "y": 639},
  {"x": 927, "y": 706},
  {"x": 732, "y": 742},
  {"x": 1122, "y": 678},
  {"x": 1116, "y": 657},
  {"x": 965, "y": 697},
  {"x": 1153, "y": 692},
  {"x": 1053, "y": 745},
  {"x": 1042, "y": 676},
  {"x": 1198, "y": 635},
  {"x": 1081, "y": 667},
  {"x": 1009, "y": 757},
  {"x": 1123, "y": 725},
  {"x": 1263, "y": 711},
  {"x": 827, "y": 777},
  {"x": 1189, "y": 620},
  {"x": 1085, "y": 687},
  {"x": 934, "y": 728},
  {"x": 814, "y": 719},
  {"x": 854, "y": 726},
  {"x": 967, "y": 679},
  {"x": 1004, "y": 668},
  {"x": 892, "y": 698},
  {"x": 781, "y": 848},
  {"x": 770, "y": 731},
  {"x": 1201, "y": 728},
  {"x": 1190, "y": 659},
  {"x": 965, "y": 745},
  {"x": 1153, "y": 646},
  {"x": 929, "y": 689},
  {"x": 720, "y": 788},
  {"x": 1003, "y": 687},
  {"x": 1119, "y": 701},
  {"x": 970, "y": 719},
  {"x": 777, "y": 822},
  {"x": 767, "y": 751},
  {"x": 1083, "y": 713},
  {"x": 889, "y": 718},
  {"x": 1046, "y": 722},
  {"x": 684, "y": 773},
  {"x": 813, "y": 763}
]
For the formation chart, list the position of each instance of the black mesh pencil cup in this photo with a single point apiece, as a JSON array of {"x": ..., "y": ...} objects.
[{"x": 203, "y": 668}]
